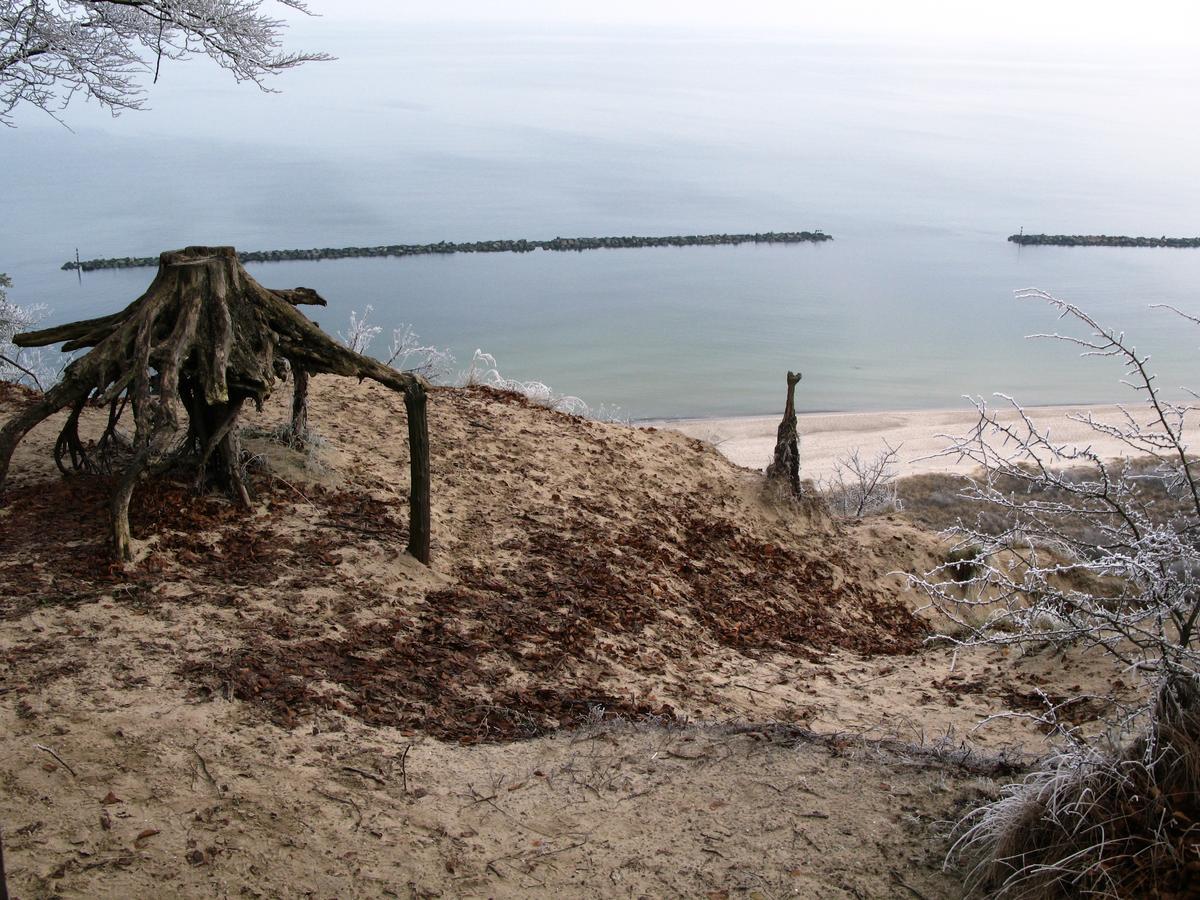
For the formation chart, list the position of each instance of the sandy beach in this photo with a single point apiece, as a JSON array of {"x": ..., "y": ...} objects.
[{"x": 825, "y": 437}]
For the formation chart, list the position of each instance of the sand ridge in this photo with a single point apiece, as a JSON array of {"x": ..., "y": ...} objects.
[{"x": 248, "y": 691}]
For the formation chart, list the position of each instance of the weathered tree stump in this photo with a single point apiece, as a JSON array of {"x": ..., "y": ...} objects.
[
  {"x": 204, "y": 339},
  {"x": 787, "y": 442}
]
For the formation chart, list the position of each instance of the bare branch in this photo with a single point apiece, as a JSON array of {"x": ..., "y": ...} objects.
[
  {"x": 1103, "y": 555},
  {"x": 103, "y": 49}
]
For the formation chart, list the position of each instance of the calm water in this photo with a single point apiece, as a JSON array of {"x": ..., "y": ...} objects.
[{"x": 919, "y": 159}]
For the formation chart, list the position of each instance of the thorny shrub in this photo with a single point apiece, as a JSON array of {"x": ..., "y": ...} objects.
[
  {"x": 1115, "y": 813},
  {"x": 862, "y": 485}
]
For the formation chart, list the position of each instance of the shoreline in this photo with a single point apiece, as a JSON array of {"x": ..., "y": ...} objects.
[{"x": 826, "y": 436}]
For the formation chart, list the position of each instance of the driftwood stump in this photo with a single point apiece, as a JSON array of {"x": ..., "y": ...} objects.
[
  {"x": 203, "y": 339},
  {"x": 787, "y": 442}
]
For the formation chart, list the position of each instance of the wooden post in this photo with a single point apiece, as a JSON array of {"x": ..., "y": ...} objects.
[
  {"x": 419, "y": 488},
  {"x": 787, "y": 442},
  {"x": 299, "y": 404}
]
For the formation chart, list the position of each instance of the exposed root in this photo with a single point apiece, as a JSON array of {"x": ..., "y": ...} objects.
[{"x": 204, "y": 339}]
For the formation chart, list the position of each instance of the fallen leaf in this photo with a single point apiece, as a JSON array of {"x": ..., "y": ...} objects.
[
  {"x": 145, "y": 834},
  {"x": 110, "y": 798}
]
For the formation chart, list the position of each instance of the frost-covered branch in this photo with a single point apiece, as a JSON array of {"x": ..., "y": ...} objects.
[
  {"x": 405, "y": 353},
  {"x": 1103, "y": 555},
  {"x": 361, "y": 334},
  {"x": 408, "y": 354},
  {"x": 483, "y": 370},
  {"x": 862, "y": 485},
  {"x": 52, "y": 50},
  {"x": 27, "y": 367}
]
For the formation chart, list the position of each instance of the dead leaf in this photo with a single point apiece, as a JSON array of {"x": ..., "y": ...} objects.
[{"x": 110, "y": 798}]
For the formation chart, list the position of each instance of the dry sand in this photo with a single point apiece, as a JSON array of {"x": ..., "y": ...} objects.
[
  {"x": 235, "y": 711},
  {"x": 750, "y": 440}
]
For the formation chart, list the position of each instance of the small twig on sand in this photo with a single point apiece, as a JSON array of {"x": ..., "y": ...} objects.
[
  {"x": 530, "y": 859},
  {"x": 746, "y": 687},
  {"x": 66, "y": 765},
  {"x": 342, "y": 526},
  {"x": 344, "y": 800},
  {"x": 965, "y": 759},
  {"x": 812, "y": 815},
  {"x": 404, "y": 767},
  {"x": 365, "y": 774},
  {"x": 204, "y": 769},
  {"x": 288, "y": 484},
  {"x": 908, "y": 887}
]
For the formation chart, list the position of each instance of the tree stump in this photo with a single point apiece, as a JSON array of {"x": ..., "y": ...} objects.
[
  {"x": 203, "y": 339},
  {"x": 786, "y": 464}
]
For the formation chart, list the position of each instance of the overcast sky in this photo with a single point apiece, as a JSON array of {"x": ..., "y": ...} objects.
[{"x": 1073, "y": 21}]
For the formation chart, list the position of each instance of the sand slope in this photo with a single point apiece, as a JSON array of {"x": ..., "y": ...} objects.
[{"x": 248, "y": 692}]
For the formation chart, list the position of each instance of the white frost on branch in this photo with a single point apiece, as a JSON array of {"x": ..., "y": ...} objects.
[
  {"x": 361, "y": 334},
  {"x": 861, "y": 486},
  {"x": 1096, "y": 553},
  {"x": 53, "y": 50},
  {"x": 408, "y": 354},
  {"x": 483, "y": 370},
  {"x": 27, "y": 367}
]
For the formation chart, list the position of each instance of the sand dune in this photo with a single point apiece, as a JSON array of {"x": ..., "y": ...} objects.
[{"x": 591, "y": 677}]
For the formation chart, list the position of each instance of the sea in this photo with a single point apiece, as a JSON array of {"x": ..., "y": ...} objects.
[{"x": 919, "y": 157}]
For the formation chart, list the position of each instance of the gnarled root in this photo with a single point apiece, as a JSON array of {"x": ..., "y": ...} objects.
[{"x": 204, "y": 338}]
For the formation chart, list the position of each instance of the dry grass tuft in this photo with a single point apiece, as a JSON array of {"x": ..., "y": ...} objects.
[{"x": 1123, "y": 824}]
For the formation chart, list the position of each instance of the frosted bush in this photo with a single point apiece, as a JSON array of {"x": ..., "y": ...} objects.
[
  {"x": 405, "y": 352},
  {"x": 408, "y": 354},
  {"x": 862, "y": 486},
  {"x": 1087, "y": 558},
  {"x": 361, "y": 334},
  {"x": 17, "y": 364},
  {"x": 483, "y": 370}
]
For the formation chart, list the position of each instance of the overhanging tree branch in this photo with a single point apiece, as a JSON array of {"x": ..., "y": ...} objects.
[{"x": 50, "y": 51}]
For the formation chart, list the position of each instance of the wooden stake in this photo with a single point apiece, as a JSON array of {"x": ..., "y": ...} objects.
[{"x": 787, "y": 443}]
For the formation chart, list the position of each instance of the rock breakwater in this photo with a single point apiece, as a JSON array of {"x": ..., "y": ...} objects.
[
  {"x": 559, "y": 244},
  {"x": 1100, "y": 240}
]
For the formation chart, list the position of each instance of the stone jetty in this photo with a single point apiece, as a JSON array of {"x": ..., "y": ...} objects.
[
  {"x": 1100, "y": 240},
  {"x": 508, "y": 246}
]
